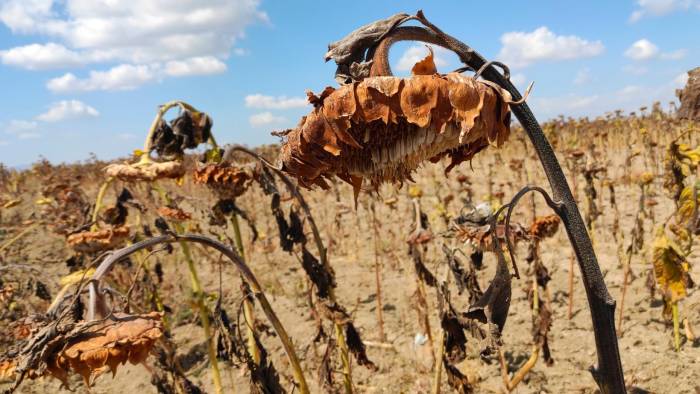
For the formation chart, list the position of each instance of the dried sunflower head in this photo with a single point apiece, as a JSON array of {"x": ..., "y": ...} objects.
[
  {"x": 544, "y": 226},
  {"x": 95, "y": 241},
  {"x": 174, "y": 214},
  {"x": 87, "y": 348},
  {"x": 146, "y": 171},
  {"x": 225, "y": 179},
  {"x": 188, "y": 130},
  {"x": 382, "y": 128}
]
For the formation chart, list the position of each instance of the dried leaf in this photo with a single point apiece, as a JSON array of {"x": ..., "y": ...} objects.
[{"x": 670, "y": 268}]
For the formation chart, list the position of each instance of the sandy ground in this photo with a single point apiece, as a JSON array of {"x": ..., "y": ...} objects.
[{"x": 646, "y": 342}]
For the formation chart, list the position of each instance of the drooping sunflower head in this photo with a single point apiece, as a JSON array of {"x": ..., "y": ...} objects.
[{"x": 382, "y": 128}]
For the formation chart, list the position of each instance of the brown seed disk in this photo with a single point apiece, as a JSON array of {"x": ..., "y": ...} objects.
[
  {"x": 95, "y": 241},
  {"x": 382, "y": 128}
]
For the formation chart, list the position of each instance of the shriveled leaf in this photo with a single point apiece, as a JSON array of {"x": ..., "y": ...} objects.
[{"x": 670, "y": 268}]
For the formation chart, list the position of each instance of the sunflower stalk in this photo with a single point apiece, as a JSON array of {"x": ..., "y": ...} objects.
[
  {"x": 247, "y": 303},
  {"x": 198, "y": 298}
]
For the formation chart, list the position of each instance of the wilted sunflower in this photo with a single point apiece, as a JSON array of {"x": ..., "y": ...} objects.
[
  {"x": 146, "y": 171},
  {"x": 95, "y": 241},
  {"x": 90, "y": 348},
  {"x": 174, "y": 214},
  {"x": 382, "y": 128},
  {"x": 544, "y": 226},
  {"x": 225, "y": 179}
]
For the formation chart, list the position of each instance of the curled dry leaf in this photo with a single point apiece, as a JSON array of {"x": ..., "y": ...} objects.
[
  {"x": 95, "y": 241},
  {"x": 148, "y": 171},
  {"x": 227, "y": 180},
  {"x": 544, "y": 227},
  {"x": 382, "y": 128},
  {"x": 174, "y": 214},
  {"x": 481, "y": 237}
]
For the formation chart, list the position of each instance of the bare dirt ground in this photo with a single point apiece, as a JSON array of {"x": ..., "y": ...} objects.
[{"x": 646, "y": 340}]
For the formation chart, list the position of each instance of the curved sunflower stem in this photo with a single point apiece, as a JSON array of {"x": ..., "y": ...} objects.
[
  {"x": 98, "y": 202},
  {"x": 234, "y": 258},
  {"x": 247, "y": 304}
]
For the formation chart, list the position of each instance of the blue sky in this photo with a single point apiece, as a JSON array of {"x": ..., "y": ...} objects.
[{"x": 81, "y": 76}]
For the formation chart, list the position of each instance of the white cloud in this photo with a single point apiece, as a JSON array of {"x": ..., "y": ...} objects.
[
  {"x": 660, "y": 7},
  {"x": 67, "y": 109},
  {"x": 629, "y": 90},
  {"x": 521, "y": 49},
  {"x": 28, "y": 136},
  {"x": 4, "y": 143},
  {"x": 20, "y": 126},
  {"x": 675, "y": 55},
  {"x": 582, "y": 77},
  {"x": 121, "y": 77},
  {"x": 416, "y": 53},
  {"x": 195, "y": 66},
  {"x": 178, "y": 38},
  {"x": 628, "y": 98},
  {"x": 41, "y": 56},
  {"x": 272, "y": 102},
  {"x": 126, "y": 136},
  {"x": 645, "y": 50},
  {"x": 642, "y": 50},
  {"x": 635, "y": 69},
  {"x": 265, "y": 118},
  {"x": 518, "y": 79}
]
